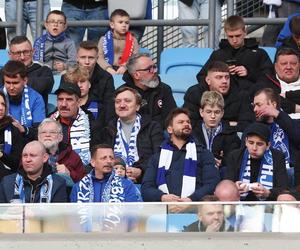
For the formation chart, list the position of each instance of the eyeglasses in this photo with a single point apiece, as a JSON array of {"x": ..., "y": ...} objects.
[
  {"x": 150, "y": 69},
  {"x": 19, "y": 53},
  {"x": 49, "y": 132},
  {"x": 213, "y": 112},
  {"x": 52, "y": 22}
]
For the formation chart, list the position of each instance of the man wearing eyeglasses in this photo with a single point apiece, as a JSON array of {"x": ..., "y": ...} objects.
[
  {"x": 157, "y": 98},
  {"x": 40, "y": 78}
]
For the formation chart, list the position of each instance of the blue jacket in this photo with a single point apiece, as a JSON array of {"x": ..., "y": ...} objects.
[
  {"x": 285, "y": 31},
  {"x": 132, "y": 194},
  {"x": 206, "y": 179}
]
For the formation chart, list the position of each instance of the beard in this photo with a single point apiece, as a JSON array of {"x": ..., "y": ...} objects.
[
  {"x": 182, "y": 134},
  {"x": 263, "y": 119},
  {"x": 152, "y": 83},
  {"x": 51, "y": 145}
]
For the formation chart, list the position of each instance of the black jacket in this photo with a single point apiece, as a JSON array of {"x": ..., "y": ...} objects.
[
  {"x": 237, "y": 105},
  {"x": 280, "y": 179},
  {"x": 157, "y": 102},
  {"x": 86, "y": 4},
  {"x": 290, "y": 43},
  {"x": 254, "y": 59},
  {"x": 197, "y": 226},
  {"x": 149, "y": 139}
]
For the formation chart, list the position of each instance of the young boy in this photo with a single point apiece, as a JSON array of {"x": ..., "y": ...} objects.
[
  {"x": 118, "y": 44},
  {"x": 54, "y": 49},
  {"x": 216, "y": 135},
  {"x": 120, "y": 167}
]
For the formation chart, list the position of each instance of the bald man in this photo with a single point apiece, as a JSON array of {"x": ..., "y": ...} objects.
[
  {"x": 226, "y": 190},
  {"x": 34, "y": 180}
]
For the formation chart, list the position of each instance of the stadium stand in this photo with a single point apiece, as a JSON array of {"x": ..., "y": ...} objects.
[{"x": 3, "y": 57}]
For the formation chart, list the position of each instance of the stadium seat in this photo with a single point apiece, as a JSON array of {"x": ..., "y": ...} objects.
[
  {"x": 52, "y": 97},
  {"x": 118, "y": 81},
  {"x": 271, "y": 51},
  {"x": 3, "y": 57}
]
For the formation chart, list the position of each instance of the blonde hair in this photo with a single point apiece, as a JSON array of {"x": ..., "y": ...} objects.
[
  {"x": 212, "y": 98},
  {"x": 76, "y": 74}
]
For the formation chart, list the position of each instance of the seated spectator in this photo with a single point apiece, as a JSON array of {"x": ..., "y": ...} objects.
[
  {"x": 134, "y": 137},
  {"x": 237, "y": 110},
  {"x": 215, "y": 134},
  {"x": 157, "y": 96},
  {"x": 119, "y": 167},
  {"x": 118, "y": 44},
  {"x": 100, "y": 183},
  {"x": 211, "y": 218},
  {"x": 2, "y": 36},
  {"x": 246, "y": 61},
  {"x": 226, "y": 190},
  {"x": 63, "y": 160},
  {"x": 40, "y": 78},
  {"x": 11, "y": 141},
  {"x": 54, "y": 48},
  {"x": 79, "y": 129},
  {"x": 102, "y": 83},
  {"x": 257, "y": 169},
  {"x": 25, "y": 105},
  {"x": 285, "y": 80},
  {"x": 183, "y": 170},
  {"x": 34, "y": 182}
]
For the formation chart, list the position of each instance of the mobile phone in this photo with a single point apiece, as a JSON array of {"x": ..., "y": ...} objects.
[{"x": 231, "y": 62}]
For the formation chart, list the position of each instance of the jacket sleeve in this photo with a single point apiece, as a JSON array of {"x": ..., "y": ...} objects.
[
  {"x": 73, "y": 195},
  {"x": 207, "y": 175},
  {"x": 132, "y": 193},
  {"x": 101, "y": 61},
  {"x": 231, "y": 166},
  {"x": 168, "y": 102},
  {"x": 76, "y": 167},
  {"x": 71, "y": 53},
  {"x": 192, "y": 103},
  {"x": 285, "y": 32},
  {"x": 60, "y": 193},
  {"x": 246, "y": 114}
]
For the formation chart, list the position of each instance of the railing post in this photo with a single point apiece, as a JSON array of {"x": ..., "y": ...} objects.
[
  {"x": 160, "y": 31},
  {"x": 230, "y": 8},
  {"x": 39, "y": 18},
  {"x": 19, "y": 18},
  {"x": 211, "y": 23}
]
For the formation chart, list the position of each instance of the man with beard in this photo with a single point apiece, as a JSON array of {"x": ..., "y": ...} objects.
[
  {"x": 183, "y": 170},
  {"x": 62, "y": 158},
  {"x": 284, "y": 130},
  {"x": 157, "y": 98}
]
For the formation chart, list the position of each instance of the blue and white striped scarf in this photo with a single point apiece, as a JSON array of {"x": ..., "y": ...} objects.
[
  {"x": 127, "y": 151},
  {"x": 209, "y": 140},
  {"x": 45, "y": 191},
  {"x": 108, "y": 47},
  {"x": 7, "y": 140},
  {"x": 189, "y": 168}
]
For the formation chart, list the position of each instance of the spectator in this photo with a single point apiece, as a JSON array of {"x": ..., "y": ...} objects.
[
  {"x": 120, "y": 167},
  {"x": 134, "y": 137},
  {"x": 40, "y": 78},
  {"x": 183, "y": 170},
  {"x": 237, "y": 109},
  {"x": 198, "y": 9},
  {"x": 26, "y": 106},
  {"x": 29, "y": 16},
  {"x": 34, "y": 182},
  {"x": 11, "y": 141},
  {"x": 100, "y": 183},
  {"x": 226, "y": 190},
  {"x": 157, "y": 98},
  {"x": 2, "y": 37},
  {"x": 54, "y": 48},
  {"x": 118, "y": 44},
  {"x": 63, "y": 160},
  {"x": 258, "y": 170}
]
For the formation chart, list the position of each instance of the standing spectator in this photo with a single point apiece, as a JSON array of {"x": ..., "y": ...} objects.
[
  {"x": 82, "y": 10},
  {"x": 198, "y": 9},
  {"x": 29, "y": 16}
]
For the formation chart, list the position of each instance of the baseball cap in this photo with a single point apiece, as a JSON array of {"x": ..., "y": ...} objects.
[
  {"x": 68, "y": 87},
  {"x": 260, "y": 129}
]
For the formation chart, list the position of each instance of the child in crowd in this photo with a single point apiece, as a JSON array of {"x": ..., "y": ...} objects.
[
  {"x": 120, "y": 167},
  {"x": 215, "y": 134},
  {"x": 118, "y": 44},
  {"x": 54, "y": 48}
]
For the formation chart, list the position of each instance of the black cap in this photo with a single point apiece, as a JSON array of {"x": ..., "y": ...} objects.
[
  {"x": 119, "y": 161},
  {"x": 68, "y": 87},
  {"x": 260, "y": 129}
]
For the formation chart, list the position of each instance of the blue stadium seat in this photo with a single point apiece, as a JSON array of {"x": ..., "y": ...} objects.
[
  {"x": 3, "y": 57},
  {"x": 118, "y": 81},
  {"x": 52, "y": 97},
  {"x": 57, "y": 79},
  {"x": 271, "y": 51},
  {"x": 145, "y": 50}
]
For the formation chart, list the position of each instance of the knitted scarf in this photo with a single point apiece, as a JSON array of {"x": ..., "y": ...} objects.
[
  {"x": 39, "y": 44},
  {"x": 127, "y": 151},
  {"x": 7, "y": 140},
  {"x": 189, "y": 168},
  {"x": 108, "y": 48},
  {"x": 45, "y": 191},
  {"x": 209, "y": 139}
]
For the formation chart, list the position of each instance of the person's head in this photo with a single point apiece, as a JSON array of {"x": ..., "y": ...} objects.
[
  {"x": 50, "y": 134},
  {"x": 287, "y": 64},
  {"x": 235, "y": 30},
  {"x": 226, "y": 190},
  {"x": 68, "y": 95},
  {"x": 34, "y": 156},
  {"x": 263, "y": 97},
  {"x": 56, "y": 22},
  {"x": 20, "y": 49},
  {"x": 120, "y": 167},
  {"x": 210, "y": 214},
  {"x": 178, "y": 123},
  {"x": 257, "y": 139},
  {"x": 143, "y": 70},
  {"x": 3, "y": 105},
  {"x": 211, "y": 108},
  {"x": 119, "y": 22},
  {"x": 102, "y": 159},
  {"x": 80, "y": 76},
  {"x": 218, "y": 77},
  {"x": 127, "y": 103},
  {"x": 15, "y": 77},
  {"x": 87, "y": 55},
  {"x": 295, "y": 28}
]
